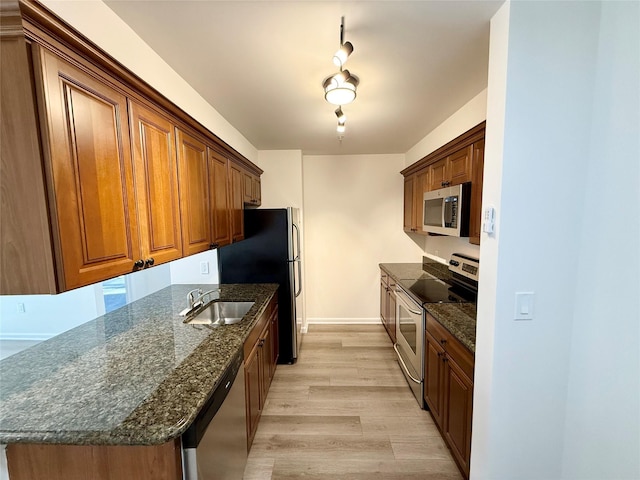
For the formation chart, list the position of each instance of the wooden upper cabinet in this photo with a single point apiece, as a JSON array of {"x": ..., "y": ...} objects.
[
  {"x": 251, "y": 188},
  {"x": 414, "y": 188},
  {"x": 438, "y": 174},
  {"x": 451, "y": 170},
  {"x": 156, "y": 183},
  {"x": 408, "y": 203},
  {"x": 247, "y": 187},
  {"x": 459, "y": 166},
  {"x": 475, "y": 215},
  {"x": 219, "y": 199},
  {"x": 257, "y": 191},
  {"x": 88, "y": 161},
  {"x": 194, "y": 193},
  {"x": 236, "y": 182}
]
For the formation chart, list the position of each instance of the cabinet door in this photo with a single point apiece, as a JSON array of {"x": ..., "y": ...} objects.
[
  {"x": 434, "y": 377},
  {"x": 383, "y": 303},
  {"x": 194, "y": 194},
  {"x": 266, "y": 345},
  {"x": 391, "y": 320},
  {"x": 219, "y": 195},
  {"x": 156, "y": 183},
  {"x": 438, "y": 175},
  {"x": 89, "y": 163},
  {"x": 252, "y": 383},
  {"x": 408, "y": 204},
  {"x": 257, "y": 191},
  {"x": 237, "y": 203},
  {"x": 275, "y": 343},
  {"x": 247, "y": 187},
  {"x": 459, "y": 166},
  {"x": 458, "y": 405},
  {"x": 419, "y": 188},
  {"x": 475, "y": 216}
]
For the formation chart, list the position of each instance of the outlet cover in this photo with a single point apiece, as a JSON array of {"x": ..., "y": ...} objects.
[{"x": 204, "y": 268}]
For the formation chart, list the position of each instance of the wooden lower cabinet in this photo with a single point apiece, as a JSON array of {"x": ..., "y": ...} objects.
[
  {"x": 388, "y": 304},
  {"x": 26, "y": 461},
  {"x": 260, "y": 358},
  {"x": 448, "y": 389}
]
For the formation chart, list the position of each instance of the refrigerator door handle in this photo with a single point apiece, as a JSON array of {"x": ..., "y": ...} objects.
[
  {"x": 298, "y": 287},
  {"x": 296, "y": 255}
]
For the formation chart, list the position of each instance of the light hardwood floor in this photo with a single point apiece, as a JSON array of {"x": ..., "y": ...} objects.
[{"x": 344, "y": 411}]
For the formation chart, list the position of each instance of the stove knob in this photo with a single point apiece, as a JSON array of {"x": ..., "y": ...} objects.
[{"x": 455, "y": 263}]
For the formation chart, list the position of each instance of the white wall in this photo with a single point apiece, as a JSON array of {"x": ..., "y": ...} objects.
[
  {"x": 281, "y": 181},
  {"x": 602, "y": 428},
  {"x": 102, "y": 26},
  {"x": 353, "y": 222},
  {"x": 188, "y": 269},
  {"x": 552, "y": 400},
  {"x": 468, "y": 116}
]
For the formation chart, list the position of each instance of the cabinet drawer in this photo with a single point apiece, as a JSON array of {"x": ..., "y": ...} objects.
[{"x": 458, "y": 352}]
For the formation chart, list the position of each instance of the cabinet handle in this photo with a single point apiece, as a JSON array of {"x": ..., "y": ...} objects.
[
  {"x": 150, "y": 261},
  {"x": 444, "y": 358},
  {"x": 213, "y": 245},
  {"x": 139, "y": 263},
  {"x": 261, "y": 344},
  {"x": 443, "y": 341}
]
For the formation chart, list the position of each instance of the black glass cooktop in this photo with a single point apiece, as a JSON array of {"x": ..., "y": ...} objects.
[{"x": 437, "y": 291}]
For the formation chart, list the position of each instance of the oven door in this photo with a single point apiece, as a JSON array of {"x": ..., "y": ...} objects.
[{"x": 409, "y": 341}]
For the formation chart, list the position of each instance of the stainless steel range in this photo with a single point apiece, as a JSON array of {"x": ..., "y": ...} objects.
[{"x": 413, "y": 296}]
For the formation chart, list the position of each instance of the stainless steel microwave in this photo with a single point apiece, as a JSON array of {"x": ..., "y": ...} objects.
[{"x": 446, "y": 210}]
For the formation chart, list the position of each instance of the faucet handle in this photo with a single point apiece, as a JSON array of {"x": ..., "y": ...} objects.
[{"x": 191, "y": 296}]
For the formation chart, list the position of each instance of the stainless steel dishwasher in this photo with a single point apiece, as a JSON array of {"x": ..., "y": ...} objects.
[{"x": 215, "y": 445}]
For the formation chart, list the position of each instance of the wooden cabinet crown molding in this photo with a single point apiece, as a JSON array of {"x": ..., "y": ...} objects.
[
  {"x": 42, "y": 26},
  {"x": 467, "y": 138}
]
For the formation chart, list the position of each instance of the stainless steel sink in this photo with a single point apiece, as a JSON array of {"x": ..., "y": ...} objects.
[{"x": 221, "y": 313}]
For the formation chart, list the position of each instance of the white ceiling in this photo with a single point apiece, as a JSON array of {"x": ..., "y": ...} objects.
[{"x": 260, "y": 64}]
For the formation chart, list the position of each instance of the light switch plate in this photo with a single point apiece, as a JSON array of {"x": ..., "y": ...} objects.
[
  {"x": 524, "y": 306},
  {"x": 204, "y": 268}
]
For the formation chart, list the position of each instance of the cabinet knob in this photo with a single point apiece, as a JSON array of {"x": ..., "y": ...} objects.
[
  {"x": 214, "y": 245},
  {"x": 261, "y": 343},
  {"x": 443, "y": 341},
  {"x": 150, "y": 261},
  {"x": 444, "y": 358},
  {"x": 139, "y": 263}
]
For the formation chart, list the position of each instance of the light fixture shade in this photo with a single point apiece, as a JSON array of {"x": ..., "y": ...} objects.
[
  {"x": 340, "y": 57},
  {"x": 340, "y": 89},
  {"x": 341, "y": 116},
  {"x": 341, "y": 128}
]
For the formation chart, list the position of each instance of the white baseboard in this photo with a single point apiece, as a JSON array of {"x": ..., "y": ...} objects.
[
  {"x": 27, "y": 336},
  {"x": 343, "y": 321}
]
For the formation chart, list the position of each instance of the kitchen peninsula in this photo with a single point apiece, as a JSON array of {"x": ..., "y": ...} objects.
[{"x": 134, "y": 377}]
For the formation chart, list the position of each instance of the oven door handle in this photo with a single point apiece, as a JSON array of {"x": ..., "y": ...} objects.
[
  {"x": 404, "y": 301},
  {"x": 404, "y": 366}
]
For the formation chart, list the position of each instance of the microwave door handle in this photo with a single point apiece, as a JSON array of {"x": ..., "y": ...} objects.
[{"x": 443, "y": 210}]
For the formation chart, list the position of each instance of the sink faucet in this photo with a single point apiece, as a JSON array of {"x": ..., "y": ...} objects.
[{"x": 195, "y": 298}]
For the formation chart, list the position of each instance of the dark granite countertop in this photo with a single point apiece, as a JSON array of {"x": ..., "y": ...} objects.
[
  {"x": 136, "y": 376},
  {"x": 458, "y": 318}
]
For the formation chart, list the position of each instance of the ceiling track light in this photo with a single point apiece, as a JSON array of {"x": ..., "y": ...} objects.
[
  {"x": 340, "y": 88},
  {"x": 341, "y": 56}
]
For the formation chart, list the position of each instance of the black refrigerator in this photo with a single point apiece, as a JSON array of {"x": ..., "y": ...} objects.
[{"x": 270, "y": 253}]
